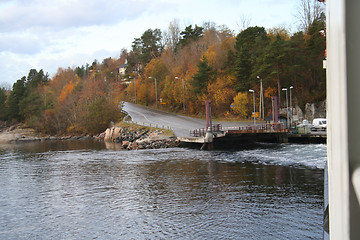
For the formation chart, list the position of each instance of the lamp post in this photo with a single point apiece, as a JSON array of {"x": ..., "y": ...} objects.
[
  {"x": 183, "y": 95},
  {"x": 253, "y": 91},
  {"x": 291, "y": 108},
  {"x": 287, "y": 108},
  {"x": 261, "y": 105},
  {"x": 156, "y": 98}
]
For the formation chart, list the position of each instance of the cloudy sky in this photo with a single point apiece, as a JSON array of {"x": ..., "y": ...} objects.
[{"x": 47, "y": 34}]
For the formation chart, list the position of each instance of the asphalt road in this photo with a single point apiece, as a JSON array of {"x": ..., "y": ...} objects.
[{"x": 180, "y": 125}]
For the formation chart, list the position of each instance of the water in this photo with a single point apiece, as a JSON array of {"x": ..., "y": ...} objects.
[{"x": 81, "y": 190}]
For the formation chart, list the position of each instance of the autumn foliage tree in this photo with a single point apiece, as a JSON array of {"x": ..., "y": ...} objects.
[
  {"x": 190, "y": 66},
  {"x": 240, "y": 105}
]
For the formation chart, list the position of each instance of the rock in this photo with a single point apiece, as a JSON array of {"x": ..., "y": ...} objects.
[
  {"x": 134, "y": 145},
  {"x": 138, "y": 139},
  {"x": 125, "y": 144}
]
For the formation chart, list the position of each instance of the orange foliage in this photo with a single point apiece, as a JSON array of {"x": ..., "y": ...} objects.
[
  {"x": 270, "y": 92},
  {"x": 210, "y": 55},
  {"x": 66, "y": 91},
  {"x": 221, "y": 94}
]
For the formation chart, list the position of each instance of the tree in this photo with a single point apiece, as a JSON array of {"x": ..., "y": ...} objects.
[
  {"x": 221, "y": 94},
  {"x": 281, "y": 31},
  {"x": 100, "y": 114},
  {"x": 36, "y": 79},
  {"x": 172, "y": 35},
  {"x": 308, "y": 12},
  {"x": 15, "y": 97},
  {"x": 80, "y": 71},
  {"x": 66, "y": 91},
  {"x": 274, "y": 62},
  {"x": 249, "y": 46},
  {"x": 240, "y": 104},
  {"x": 148, "y": 46},
  {"x": 203, "y": 77},
  {"x": 3, "y": 97},
  {"x": 315, "y": 45},
  {"x": 31, "y": 105},
  {"x": 190, "y": 34},
  {"x": 244, "y": 22}
]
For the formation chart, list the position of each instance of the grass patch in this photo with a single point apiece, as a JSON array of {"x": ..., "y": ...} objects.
[{"x": 136, "y": 127}]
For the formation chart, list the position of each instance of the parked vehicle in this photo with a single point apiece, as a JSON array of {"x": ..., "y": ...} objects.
[{"x": 319, "y": 124}]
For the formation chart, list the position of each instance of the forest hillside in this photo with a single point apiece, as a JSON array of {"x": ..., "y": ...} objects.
[{"x": 176, "y": 70}]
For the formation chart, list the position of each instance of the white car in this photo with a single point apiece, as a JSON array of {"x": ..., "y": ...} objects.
[{"x": 319, "y": 124}]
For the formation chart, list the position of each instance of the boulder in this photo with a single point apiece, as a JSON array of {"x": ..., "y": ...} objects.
[{"x": 125, "y": 144}]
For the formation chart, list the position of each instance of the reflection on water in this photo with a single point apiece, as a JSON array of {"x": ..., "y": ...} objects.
[{"x": 79, "y": 191}]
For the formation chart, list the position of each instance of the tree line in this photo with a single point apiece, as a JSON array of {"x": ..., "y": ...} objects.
[
  {"x": 198, "y": 63},
  {"x": 74, "y": 101},
  {"x": 211, "y": 63}
]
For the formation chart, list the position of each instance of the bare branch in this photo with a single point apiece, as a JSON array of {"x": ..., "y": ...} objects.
[
  {"x": 308, "y": 12},
  {"x": 244, "y": 22}
]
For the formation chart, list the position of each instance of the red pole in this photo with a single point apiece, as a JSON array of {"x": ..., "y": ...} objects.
[{"x": 275, "y": 113}]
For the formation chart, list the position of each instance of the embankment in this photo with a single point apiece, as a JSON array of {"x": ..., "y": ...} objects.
[{"x": 128, "y": 136}]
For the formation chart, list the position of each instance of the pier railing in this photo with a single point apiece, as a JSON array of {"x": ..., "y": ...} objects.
[
  {"x": 260, "y": 128},
  {"x": 200, "y": 132}
]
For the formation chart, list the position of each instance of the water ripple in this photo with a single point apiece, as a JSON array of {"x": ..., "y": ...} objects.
[{"x": 82, "y": 193}]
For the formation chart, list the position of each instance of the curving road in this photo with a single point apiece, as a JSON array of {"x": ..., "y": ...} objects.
[{"x": 180, "y": 125}]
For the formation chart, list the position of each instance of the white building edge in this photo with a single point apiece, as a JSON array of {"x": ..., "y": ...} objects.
[{"x": 343, "y": 104}]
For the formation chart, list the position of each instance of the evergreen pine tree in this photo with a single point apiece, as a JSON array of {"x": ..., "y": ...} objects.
[
  {"x": 202, "y": 78},
  {"x": 15, "y": 97},
  {"x": 3, "y": 115}
]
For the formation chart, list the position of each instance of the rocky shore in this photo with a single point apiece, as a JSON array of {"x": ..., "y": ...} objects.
[
  {"x": 19, "y": 133},
  {"x": 126, "y": 137},
  {"x": 139, "y": 138}
]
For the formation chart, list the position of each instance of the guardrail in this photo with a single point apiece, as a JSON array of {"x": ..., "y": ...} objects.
[
  {"x": 272, "y": 127},
  {"x": 148, "y": 124},
  {"x": 268, "y": 126},
  {"x": 200, "y": 132}
]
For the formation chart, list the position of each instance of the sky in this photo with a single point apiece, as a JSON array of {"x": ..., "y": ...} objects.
[{"x": 39, "y": 34}]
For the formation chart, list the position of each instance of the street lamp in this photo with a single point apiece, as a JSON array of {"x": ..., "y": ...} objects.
[
  {"x": 250, "y": 90},
  {"x": 291, "y": 108},
  {"x": 287, "y": 108},
  {"x": 155, "y": 92},
  {"x": 183, "y": 95},
  {"x": 261, "y": 105}
]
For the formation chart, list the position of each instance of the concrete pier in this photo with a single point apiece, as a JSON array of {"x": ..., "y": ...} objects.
[{"x": 233, "y": 137}]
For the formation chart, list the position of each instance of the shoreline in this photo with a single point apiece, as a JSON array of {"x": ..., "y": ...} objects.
[
  {"x": 19, "y": 133},
  {"x": 129, "y": 137}
]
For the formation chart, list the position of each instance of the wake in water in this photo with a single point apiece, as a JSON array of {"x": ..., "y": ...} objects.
[{"x": 298, "y": 155}]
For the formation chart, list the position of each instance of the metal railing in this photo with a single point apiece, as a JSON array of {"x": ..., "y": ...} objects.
[
  {"x": 268, "y": 127},
  {"x": 154, "y": 125},
  {"x": 201, "y": 132}
]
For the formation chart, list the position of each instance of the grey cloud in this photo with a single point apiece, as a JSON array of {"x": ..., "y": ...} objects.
[
  {"x": 57, "y": 14},
  {"x": 21, "y": 44}
]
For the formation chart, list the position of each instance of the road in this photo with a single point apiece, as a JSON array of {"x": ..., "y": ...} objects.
[{"x": 179, "y": 124}]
